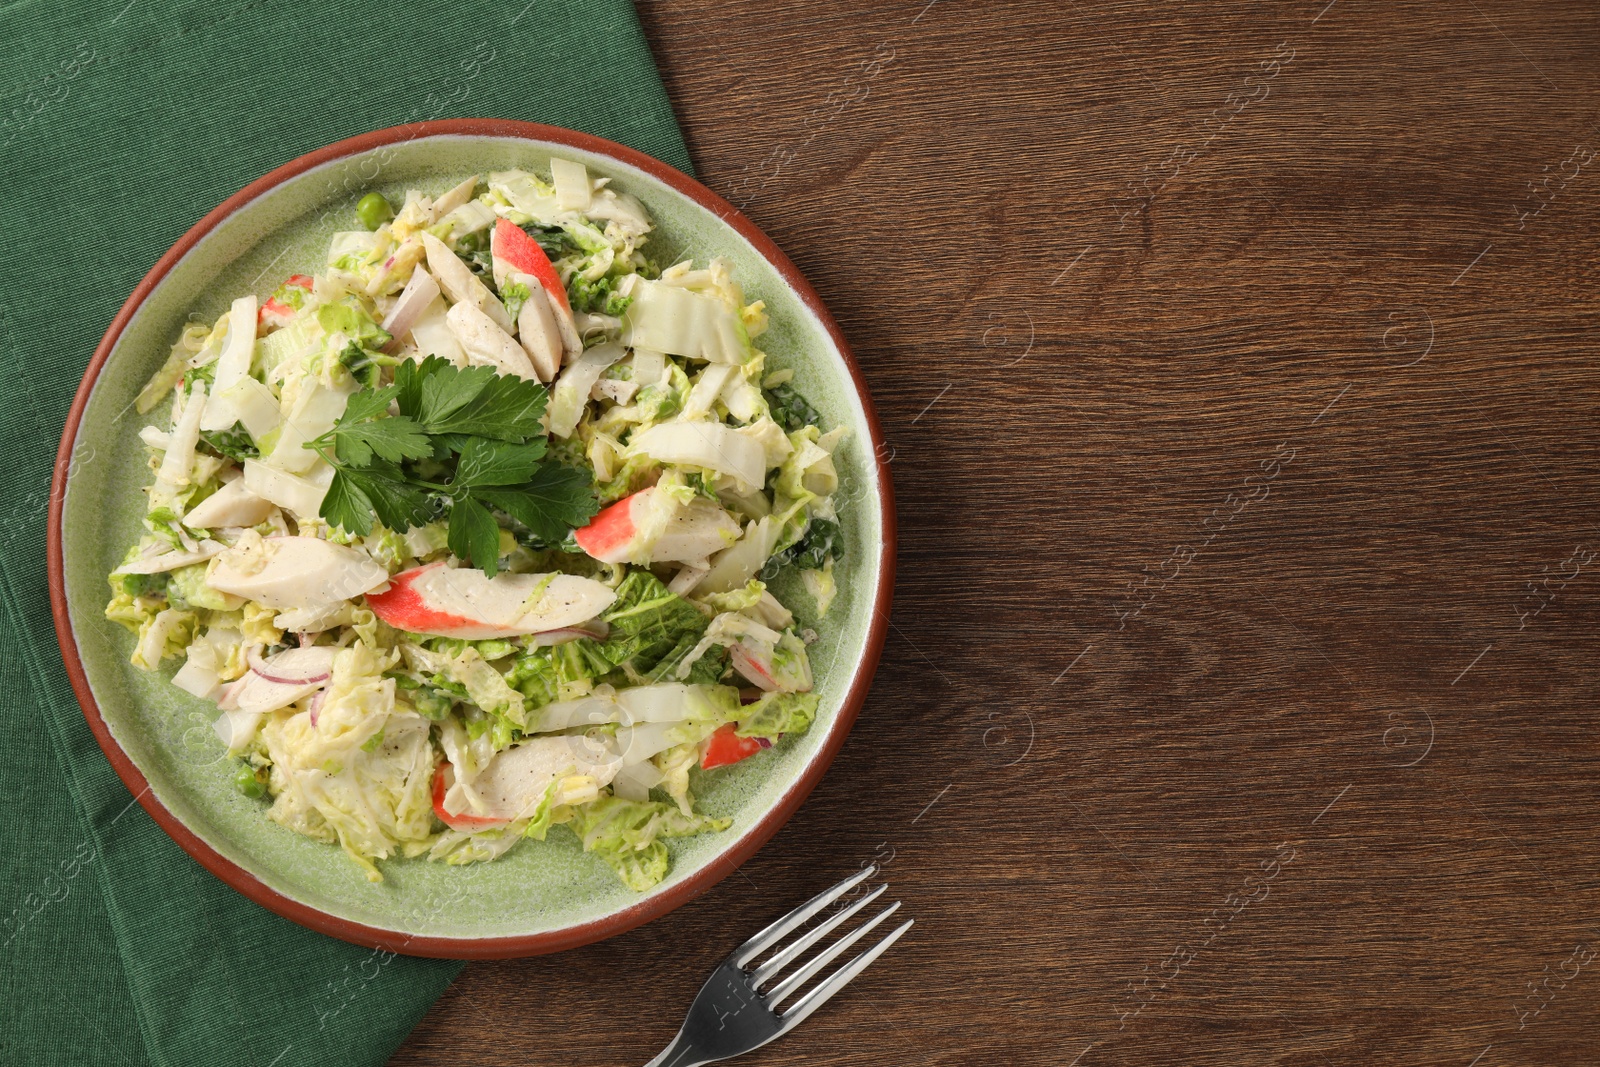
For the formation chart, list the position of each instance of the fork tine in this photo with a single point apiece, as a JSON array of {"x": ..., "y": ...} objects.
[
  {"x": 782, "y": 959},
  {"x": 839, "y": 979},
  {"x": 825, "y": 957},
  {"x": 770, "y": 936}
]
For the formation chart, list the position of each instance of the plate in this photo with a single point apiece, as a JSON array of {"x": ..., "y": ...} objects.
[{"x": 551, "y": 896}]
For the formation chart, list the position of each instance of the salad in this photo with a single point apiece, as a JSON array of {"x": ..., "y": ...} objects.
[{"x": 468, "y": 534}]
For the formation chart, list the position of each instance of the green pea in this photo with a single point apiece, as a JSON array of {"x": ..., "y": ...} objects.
[
  {"x": 137, "y": 584},
  {"x": 374, "y": 211},
  {"x": 246, "y": 782}
]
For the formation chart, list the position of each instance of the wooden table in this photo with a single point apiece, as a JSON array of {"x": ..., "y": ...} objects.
[{"x": 1240, "y": 702}]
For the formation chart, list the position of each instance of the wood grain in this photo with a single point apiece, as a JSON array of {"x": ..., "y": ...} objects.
[{"x": 1240, "y": 703}]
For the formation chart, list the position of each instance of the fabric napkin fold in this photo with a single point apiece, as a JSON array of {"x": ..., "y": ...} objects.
[{"x": 121, "y": 124}]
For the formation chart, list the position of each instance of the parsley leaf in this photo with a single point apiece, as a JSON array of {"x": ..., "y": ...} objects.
[
  {"x": 505, "y": 407},
  {"x": 474, "y": 535},
  {"x": 485, "y": 462},
  {"x": 465, "y": 440},
  {"x": 408, "y": 379},
  {"x": 355, "y": 496},
  {"x": 393, "y": 439},
  {"x": 447, "y": 399},
  {"x": 366, "y": 428},
  {"x": 446, "y": 389},
  {"x": 555, "y": 500},
  {"x": 346, "y": 505},
  {"x": 398, "y": 504},
  {"x": 367, "y": 404}
]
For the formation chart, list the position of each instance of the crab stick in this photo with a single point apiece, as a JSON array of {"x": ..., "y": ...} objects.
[
  {"x": 515, "y": 252},
  {"x": 725, "y": 746},
  {"x": 274, "y": 313},
  {"x": 286, "y": 573},
  {"x": 651, "y": 527},
  {"x": 465, "y": 603}
]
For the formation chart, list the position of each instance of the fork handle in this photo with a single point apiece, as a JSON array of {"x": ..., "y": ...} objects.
[{"x": 677, "y": 1054}]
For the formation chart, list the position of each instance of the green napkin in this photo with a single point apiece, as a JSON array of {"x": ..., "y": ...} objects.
[{"x": 121, "y": 124}]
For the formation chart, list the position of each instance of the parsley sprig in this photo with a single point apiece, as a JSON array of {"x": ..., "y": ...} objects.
[{"x": 464, "y": 444}]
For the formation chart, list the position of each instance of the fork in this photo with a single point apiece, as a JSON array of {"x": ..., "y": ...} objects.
[{"x": 734, "y": 1013}]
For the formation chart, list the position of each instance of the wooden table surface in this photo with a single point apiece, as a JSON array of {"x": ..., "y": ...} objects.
[{"x": 1239, "y": 703}]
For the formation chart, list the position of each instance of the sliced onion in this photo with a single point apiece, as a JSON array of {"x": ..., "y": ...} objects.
[
  {"x": 413, "y": 301},
  {"x": 316, "y": 705},
  {"x": 595, "y": 629},
  {"x": 295, "y": 666}
]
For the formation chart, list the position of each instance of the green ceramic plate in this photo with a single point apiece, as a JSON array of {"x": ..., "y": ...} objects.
[{"x": 541, "y": 897}]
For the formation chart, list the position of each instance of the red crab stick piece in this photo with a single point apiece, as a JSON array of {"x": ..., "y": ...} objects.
[
  {"x": 515, "y": 252},
  {"x": 512, "y": 248},
  {"x": 465, "y": 603},
  {"x": 611, "y": 535},
  {"x": 443, "y": 776},
  {"x": 754, "y": 666},
  {"x": 274, "y": 313},
  {"x": 649, "y": 528},
  {"x": 725, "y": 746}
]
